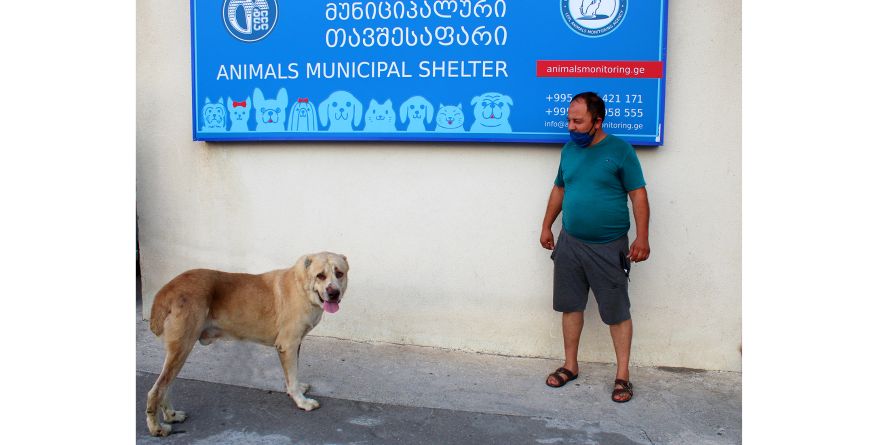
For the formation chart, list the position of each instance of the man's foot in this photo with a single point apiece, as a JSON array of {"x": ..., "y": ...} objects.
[
  {"x": 623, "y": 391},
  {"x": 560, "y": 377}
]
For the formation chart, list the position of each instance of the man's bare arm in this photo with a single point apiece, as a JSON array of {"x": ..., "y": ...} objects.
[
  {"x": 555, "y": 205},
  {"x": 640, "y": 203}
]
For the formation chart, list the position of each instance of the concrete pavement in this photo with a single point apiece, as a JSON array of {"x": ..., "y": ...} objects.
[{"x": 373, "y": 393}]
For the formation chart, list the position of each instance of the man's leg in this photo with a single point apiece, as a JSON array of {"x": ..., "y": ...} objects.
[
  {"x": 570, "y": 298},
  {"x": 573, "y": 322},
  {"x": 609, "y": 281},
  {"x": 621, "y": 340}
]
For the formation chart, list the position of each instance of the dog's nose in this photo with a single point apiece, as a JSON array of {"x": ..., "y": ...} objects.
[{"x": 333, "y": 293}]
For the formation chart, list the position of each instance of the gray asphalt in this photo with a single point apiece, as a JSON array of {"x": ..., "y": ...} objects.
[
  {"x": 379, "y": 393},
  {"x": 226, "y": 414}
]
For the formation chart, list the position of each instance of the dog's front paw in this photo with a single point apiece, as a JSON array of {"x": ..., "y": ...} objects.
[
  {"x": 306, "y": 403},
  {"x": 303, "y": 387},
  {"x": 174, "y": 416},
  {"x": 161, "y": 430}
]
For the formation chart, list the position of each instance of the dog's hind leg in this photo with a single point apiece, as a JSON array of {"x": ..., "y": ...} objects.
[
  {"x": 171, "y": 415},
  {"x": 289, "y": 360},
  {"x": 180, "y": 335}
]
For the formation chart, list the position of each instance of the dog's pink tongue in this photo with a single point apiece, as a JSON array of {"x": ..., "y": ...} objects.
[{"x": 330, "y": 307}]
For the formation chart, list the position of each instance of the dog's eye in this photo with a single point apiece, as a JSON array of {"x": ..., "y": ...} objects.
[
  {"x": 321, "y": 276},
  {"x": 412, "y": 107},
  {"x": 335, "y": 104},
  {"x": 263, "y": 109},
  {"x": 338, "y": 274},
  {"x": 347, "y": 104}
]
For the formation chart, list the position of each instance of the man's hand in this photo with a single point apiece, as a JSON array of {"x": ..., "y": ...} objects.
[
  {"x": 639, "y": 250},
  {"x": 547, "y": 239}
]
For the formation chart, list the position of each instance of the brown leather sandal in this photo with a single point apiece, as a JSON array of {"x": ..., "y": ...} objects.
[
  {"x": 626, "y": 388},
  {"x": 560, "y": 380}
]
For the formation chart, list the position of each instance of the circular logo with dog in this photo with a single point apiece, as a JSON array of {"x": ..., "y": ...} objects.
[
  {"x": 593, "y": 18},
  {"x": 249, "y": 20}
]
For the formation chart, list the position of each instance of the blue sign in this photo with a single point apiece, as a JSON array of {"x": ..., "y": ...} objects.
[{"x": 424, "y": 70}]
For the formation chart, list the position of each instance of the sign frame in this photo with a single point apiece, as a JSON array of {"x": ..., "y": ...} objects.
[{"x": 547, "y": 71}]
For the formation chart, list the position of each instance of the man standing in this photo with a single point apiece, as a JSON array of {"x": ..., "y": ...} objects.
[{"x": 597, "y": 173}]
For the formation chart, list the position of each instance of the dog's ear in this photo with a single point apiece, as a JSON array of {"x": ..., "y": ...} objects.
[
  {"x": 248, "y": 102},
  {"x": 258, "y": 97},
  {"x": 324, "y": 111},
  {"x": 344, "y": 263},
  {"x": 429, "y": 115},
  {"x": 282, "y": 97},
  {"x": 342, "y": 260},
  {"x": 507, "y": 100},
  {"x": 312, "y": 117},
  {"x": 301, "y": 270},
  {"x": 475, "y": 100},
  {"x": 404, "y": 109},
  {"x": 358, "y": 111},
  {"x": 230, "y": 102}
]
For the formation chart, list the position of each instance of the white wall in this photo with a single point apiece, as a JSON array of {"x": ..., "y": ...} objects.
[{"x": 443, "y": 238}]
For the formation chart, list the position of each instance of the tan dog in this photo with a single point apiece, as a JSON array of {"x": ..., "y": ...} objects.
[{"x": 276, "y": 308}]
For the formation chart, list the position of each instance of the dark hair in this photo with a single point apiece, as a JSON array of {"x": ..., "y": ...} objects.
[{"x": 595, "y": 105}]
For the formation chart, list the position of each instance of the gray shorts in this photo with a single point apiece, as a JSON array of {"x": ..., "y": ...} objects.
[{"x": 580, "y": 266}]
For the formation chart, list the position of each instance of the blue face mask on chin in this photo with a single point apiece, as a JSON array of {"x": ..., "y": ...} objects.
[{"x": 582, "y": 139}]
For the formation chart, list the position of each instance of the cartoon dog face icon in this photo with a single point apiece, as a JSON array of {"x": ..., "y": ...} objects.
[
  {"x": 418, "y": 111},
  {"x": 239, "y": 113},
  {"x": 491, "y": 112},
  {"x": 214, "y": 116},
  {"x": 341, "y": 111},
  {"x": 303, "y": 117},
  {"x": 270, "y": 114}
]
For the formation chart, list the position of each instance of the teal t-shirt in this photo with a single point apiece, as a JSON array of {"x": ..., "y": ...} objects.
[{"x": 596, "y": 182}]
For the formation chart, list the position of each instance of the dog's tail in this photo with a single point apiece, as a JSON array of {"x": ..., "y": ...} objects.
[
  {"x": 163, "y": 305},
  {"x": 159, "y": 312},
  {"x": 182, "y": 292}
]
